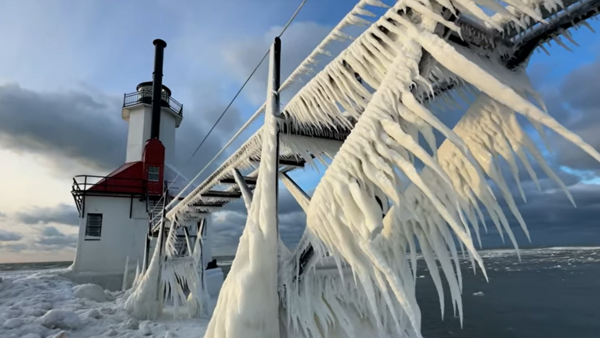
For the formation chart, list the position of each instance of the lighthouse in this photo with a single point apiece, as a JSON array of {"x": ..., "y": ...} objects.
[{"x": 118, "y": 212}]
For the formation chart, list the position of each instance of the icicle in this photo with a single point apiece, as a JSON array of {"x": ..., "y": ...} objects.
[
  {"x": 586, "y": 24},
  {"x": 137, "y": 274},
  {"x": 126, "y": 275},
  {"x": 569, "y": 37},
  {"x": 146, "y": 300}
]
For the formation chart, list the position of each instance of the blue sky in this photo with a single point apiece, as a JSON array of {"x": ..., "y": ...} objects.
[{"x": 69, "y": 62}]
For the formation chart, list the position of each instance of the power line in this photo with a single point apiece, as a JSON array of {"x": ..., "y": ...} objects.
[
  {"x": 292, "y": 18},
  {"x": 229, "y": 105},
  {"x": 249, "y": 77}
]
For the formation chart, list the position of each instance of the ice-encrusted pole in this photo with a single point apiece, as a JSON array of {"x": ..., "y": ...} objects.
[
  {"x": 274, "y": 107},
  {"x": 248, "y": 304}
]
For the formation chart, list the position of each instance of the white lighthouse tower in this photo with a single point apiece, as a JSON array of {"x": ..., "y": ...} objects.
[{"x": 117, "y": 212}]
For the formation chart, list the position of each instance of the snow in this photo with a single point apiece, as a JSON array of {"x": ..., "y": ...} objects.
[
  {"x": 90, "y": 291},
  {"x": 43, "y": 304},
  {"x": 60, "y": 319}
]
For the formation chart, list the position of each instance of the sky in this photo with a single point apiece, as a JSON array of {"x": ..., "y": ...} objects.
[{"x": 65, "y": 65}]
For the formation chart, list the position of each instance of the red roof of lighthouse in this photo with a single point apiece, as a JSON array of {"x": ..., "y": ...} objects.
[{"x": 128, "y": 179}]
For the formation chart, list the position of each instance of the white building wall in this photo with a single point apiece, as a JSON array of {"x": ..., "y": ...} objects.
[
  {"x": 121, "y": 235},
  {"x": 140, "y": 122},
  {"x": 140, "y": 118}
]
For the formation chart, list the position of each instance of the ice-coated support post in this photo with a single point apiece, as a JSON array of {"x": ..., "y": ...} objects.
[
  {"x": 273, "y": 106},
  {"x": 275, "y": 76},
  {"x": 270, "y": 156},
  {"x": 244, "y": 189}
]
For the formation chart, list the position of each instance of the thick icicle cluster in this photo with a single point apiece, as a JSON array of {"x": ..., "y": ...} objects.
[
  {"x": 343, "y": 213},
  {"x": 356, "y": 17},
  {"x": 198, "y": 301},
  {"x": 248, "y": 304},
  {"x": 167, "y": 277},
  {"x": 146, "y": 300}
]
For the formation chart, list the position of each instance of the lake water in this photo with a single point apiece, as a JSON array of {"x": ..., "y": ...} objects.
[{"x": 550, "y": 293}]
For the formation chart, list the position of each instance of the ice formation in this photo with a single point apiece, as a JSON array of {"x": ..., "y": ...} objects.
[
  {"x": 248, "y": 304},
  {"x": 361, "y": 278},
  {"x": 198, "y": 302},
  {"x": 146, "y": 300},
  {"x": 167, "y": 278}
]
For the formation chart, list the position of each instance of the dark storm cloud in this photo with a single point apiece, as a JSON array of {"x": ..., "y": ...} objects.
[
  {"x": 552, "y": 220},
  {"x": 287, "y": 204},
  {"x": 579, "y": 93},
  {"x": 229, "y": 224},
  {"x": 88, "y": 130},
  {"x": 47, "y": 239},
  {"x": 70, "y": 125},
  {"x": 9, "y": 236},
  {"x": 50, "y": 237},
  {"x": 14, "y": 247},
  {"x": 61, "y": 214}
]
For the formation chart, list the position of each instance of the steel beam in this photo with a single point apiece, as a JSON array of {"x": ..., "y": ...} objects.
[
  {"x": 207, "y": 204},
  {"x": 222, "y": 194},
  {"x": 248, "y": 180}
]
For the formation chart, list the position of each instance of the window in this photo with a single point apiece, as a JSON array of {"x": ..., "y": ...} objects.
[
  {"x": 93, "y": 227},
  {"x": 153, "y": 174}
]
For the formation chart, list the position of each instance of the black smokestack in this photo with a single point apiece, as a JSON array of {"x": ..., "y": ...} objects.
[{"x": 159, "y": 54}]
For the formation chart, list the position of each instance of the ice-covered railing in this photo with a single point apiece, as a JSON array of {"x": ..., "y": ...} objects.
[
  {"x": 292, "y": 146},
  {"x": 358, "y": 16},
  {"x": 571, "y": 14},
  {"x": 544, "y": 9}
]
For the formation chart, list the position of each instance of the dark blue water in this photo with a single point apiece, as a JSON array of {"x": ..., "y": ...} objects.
[{"x": 550, "y": 293}]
